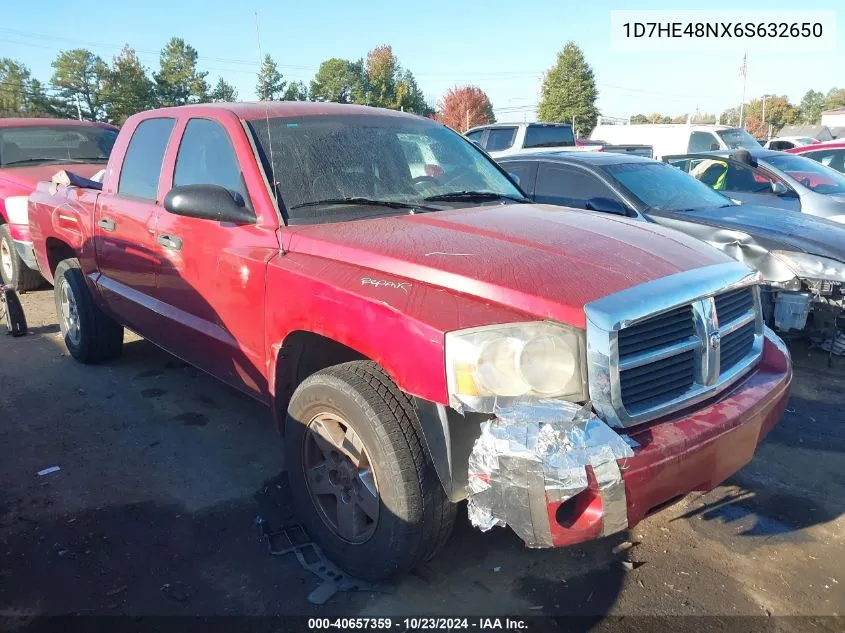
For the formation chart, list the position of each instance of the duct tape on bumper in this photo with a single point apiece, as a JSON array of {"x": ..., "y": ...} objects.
[{"x": 535, "y": 453}]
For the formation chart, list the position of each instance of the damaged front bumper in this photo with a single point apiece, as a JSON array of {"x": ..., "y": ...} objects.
[{"x": 557, "y": 475}]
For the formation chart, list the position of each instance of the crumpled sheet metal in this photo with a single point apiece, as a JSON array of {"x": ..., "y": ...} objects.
[{"x": 537, "y": 452}]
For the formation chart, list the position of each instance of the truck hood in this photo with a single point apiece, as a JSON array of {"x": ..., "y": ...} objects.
[
  {"x": 771, "y": 228},
  {"x": 28, "y": 177},
  {"x": 546, "y": 261}
]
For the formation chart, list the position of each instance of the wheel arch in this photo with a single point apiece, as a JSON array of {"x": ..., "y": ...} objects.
[
  {"x": 56, "y": 250},
  {"x": 447, "y": 435}
]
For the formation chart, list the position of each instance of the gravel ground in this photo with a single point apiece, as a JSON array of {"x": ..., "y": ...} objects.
[{"x": 163, "y": 471}]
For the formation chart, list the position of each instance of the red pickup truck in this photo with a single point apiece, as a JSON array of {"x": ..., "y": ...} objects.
[
  {"x": 415, "y": 325},
  {"x": 32, "y": 150}
]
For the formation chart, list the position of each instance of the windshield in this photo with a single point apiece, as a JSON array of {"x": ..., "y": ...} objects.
[
  {"x": 661, "y": 187},
  {"x": 548, "y": 136},
  {"x": 31, "y": 144},
  {"x": 392, "y": 159},
  {"x": 809, "y": 173},
  {"x": 736, "y": 137}
]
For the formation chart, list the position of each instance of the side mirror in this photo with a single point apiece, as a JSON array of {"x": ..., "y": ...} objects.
[
  {"x": 514, "y": 177},
  {"x": 606, "y": 205},
  {"x": 208, "y": 202},
  {"x": 778, "y": 188},
  {"x": 714, "y": 147}
]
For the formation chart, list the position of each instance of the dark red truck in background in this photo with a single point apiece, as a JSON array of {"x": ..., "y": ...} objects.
[
  {"x": 32, "y": 150},
  {"x": 413, "y": 323}
]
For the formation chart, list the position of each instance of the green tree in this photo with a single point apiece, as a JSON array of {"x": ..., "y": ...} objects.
[
  {"x": 639, "y": 119},
  {"x": 271, "y": 85},
  {"x": 707, "y": 118},
  {"x": 223, "y": 91},
  {"x": 730, "y": 117},
  {"x": 409, "y": 97},
  {"x": 810, "y": 110},
  {"x": 835, "y": 99},
  {"x": 14, "y": 87},
  {"x": 341, "y": 81},
  {"x": 569, "y": 91},
  {"x": 778, "y": 112},
  {"x": 80, "y": 77},
  {"x": 178, "y": 81},
  {"x": 382, "y": 68},
  {"x": 128, "y": 89},
  {"x": 38, "y": 103},
  {"x": 296, "y": 91}
]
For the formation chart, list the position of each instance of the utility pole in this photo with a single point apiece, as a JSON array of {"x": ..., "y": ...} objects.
[
  {"x": 743, "y": 70},
  {"x": 764, "y": 117},
  {"x": 573, "y": 126},
  {"x": 466, "y": 125},
  {"x": 78, "y": 108}
]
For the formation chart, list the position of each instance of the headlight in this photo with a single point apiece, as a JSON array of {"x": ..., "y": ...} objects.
[
  {"x": 16, "y": 209},
  {"x": 538, "y": 359},
  {"x": 812, "y": 266}
]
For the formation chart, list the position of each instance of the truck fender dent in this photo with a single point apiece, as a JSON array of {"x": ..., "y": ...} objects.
[{"x": 449, "y": 438}]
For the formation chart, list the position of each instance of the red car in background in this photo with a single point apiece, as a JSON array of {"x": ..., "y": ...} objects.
[
  {"x": 33, "y": 150},
  {"x": 830, "y": 154}
]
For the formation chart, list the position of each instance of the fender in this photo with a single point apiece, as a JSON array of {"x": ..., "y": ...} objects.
[{"x": 398, "y": 323}]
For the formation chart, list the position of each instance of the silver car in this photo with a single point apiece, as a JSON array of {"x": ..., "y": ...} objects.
[{"x": 774, "y": 179}]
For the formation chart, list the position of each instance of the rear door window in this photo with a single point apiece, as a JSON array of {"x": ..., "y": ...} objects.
[
  {"x": 141, "y": 168},
  {"x": 549, "y": 136},
  {"x": 500, "y": 138},
  {"x": 525, "y": 171},
  {"x": 833, "y": 158},
  {"x": 568, "y": 186},
  {"x": 476, "y": 136}
]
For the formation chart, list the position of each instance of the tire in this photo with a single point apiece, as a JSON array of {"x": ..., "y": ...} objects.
[
  {"x": 414, "y": 517},
  {"x": 17, "y": 275},
  {"x": 96, "y": 337}
]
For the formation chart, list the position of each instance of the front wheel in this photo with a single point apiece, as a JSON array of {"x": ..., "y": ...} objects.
[
  {"x": 90, "y": 335},
  {"x": 361, "y": 478}
]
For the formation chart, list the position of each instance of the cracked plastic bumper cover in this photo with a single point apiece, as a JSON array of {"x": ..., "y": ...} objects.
[{"x": 558, "y": 475}]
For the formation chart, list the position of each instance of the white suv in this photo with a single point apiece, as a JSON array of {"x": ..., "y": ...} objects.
[{"x": 503, "y": 139}]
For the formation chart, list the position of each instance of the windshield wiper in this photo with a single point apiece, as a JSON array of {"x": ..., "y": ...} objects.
[
  {"x": 474, "y": 196},
  {"x": 356, "y": 200},
  {"x": 29, "y": 161}
]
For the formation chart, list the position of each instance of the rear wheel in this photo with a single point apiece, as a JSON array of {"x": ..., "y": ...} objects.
[
  {"x": 361, "y": 479},
  {"x": 90, "y": 335},
  {"x": 15, "y": 273}
]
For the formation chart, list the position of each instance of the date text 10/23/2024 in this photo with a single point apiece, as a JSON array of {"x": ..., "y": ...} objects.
[{"x": 481, "y": 624}]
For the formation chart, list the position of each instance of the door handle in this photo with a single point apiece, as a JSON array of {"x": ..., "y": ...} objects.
[
  {"x": 170, "y": 241},
  {"x": 107, "y": 224}
]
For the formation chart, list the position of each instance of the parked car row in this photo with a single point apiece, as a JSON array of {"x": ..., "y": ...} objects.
[
  {"x": 423, "y": 332},
  {"x": 779, "y": 213}
]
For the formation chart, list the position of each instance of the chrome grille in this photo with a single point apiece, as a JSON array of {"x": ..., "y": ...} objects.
[
  {"x": 645, "y": 379},
  {"x": 732, "y": 305},
  {"x": 664, "y": 329},
  {"x": 659, "y": 347},
  {"x": 736, "y": 346},
  {"x": 656, "y": 382}
]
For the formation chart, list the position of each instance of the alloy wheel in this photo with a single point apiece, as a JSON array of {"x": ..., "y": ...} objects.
[{"x": 340, "y": 478}]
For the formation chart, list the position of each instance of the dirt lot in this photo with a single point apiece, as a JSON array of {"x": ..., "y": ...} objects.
[{"x": 163, "y": 472}]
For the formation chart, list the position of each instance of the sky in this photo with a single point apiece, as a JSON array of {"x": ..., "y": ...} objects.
[{"x": 501, "y": 46}]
